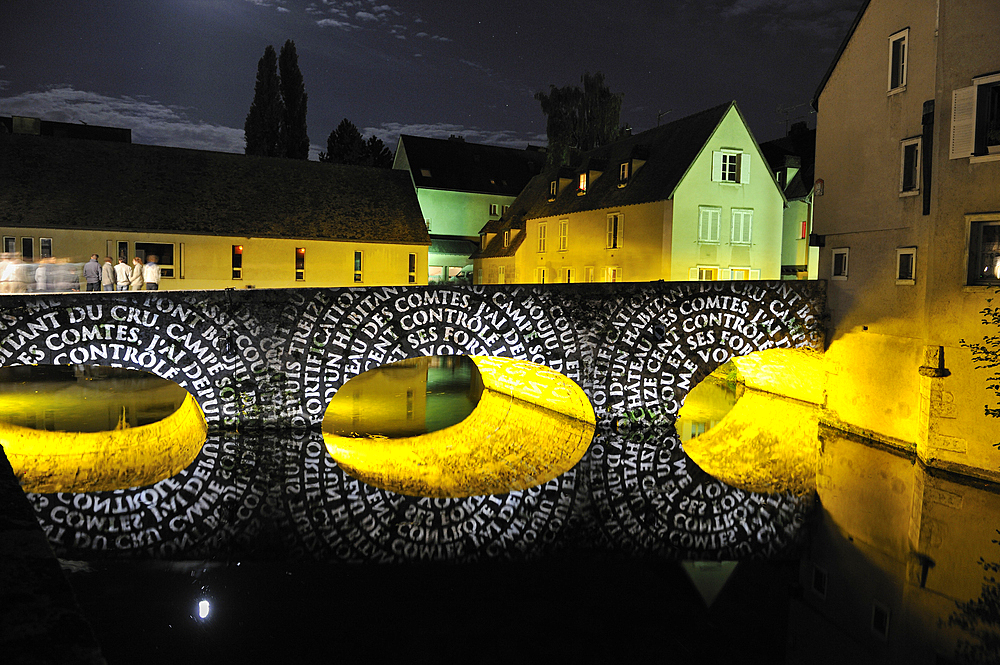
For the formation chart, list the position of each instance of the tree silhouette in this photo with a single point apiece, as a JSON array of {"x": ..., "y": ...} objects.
[
  {"x": 262, "y": 129},
  {"x": 980, "y": 619},
  {"x": 293, "y": 96},
  {"x": 580, "y": 119},
  {"x": 345, "y": 145}
]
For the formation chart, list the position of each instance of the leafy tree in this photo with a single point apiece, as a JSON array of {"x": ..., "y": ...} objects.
[
  {"x": 293, "y": 95},
  {"x": 345, "y": 145},
  {"x": 979, "y": 618},
  {"x": 262, "y": 129},
  {"x": 580, "y": 119}
]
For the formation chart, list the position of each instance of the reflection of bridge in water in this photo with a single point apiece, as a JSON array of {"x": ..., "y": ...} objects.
[{"x": 269, "y": 361}]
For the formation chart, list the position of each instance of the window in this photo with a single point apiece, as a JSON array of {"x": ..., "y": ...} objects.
[
  {"x": 582, "y": 189},
  {"x": 840, "y": 263},
  {"x": 504, "y": 209},
  {"x": 732, "y": 166},
  {"x": 506, "y": 238},
  {"x": 425, "y": 173},
  {"x": 494, "y": 209},
  {"x": 741, "y": 226},
  {"x": 909, "y": 174},
  {"x": 614, "y": 274},
  {"x": 906, "y": 265},
  {"x": 28, "y": 249},
  {"x": 623, "y": 172},
  {"x": 427, "y": 222},
  {"x": 9, "y": 244},
  {"x": 553, "y": 189},
  {"x": 237, "y": 261},
  {"x": 411, "y": 269},
  {"x": 614, "y": 231},
  {"x": 567, "y": 275},
  {"x": 540, "y": 275},
  {"x": 589, "y": 274},
  {"x": 300, "y": 264},
  {"x": 984, "y": 250},
  {"x": 897, "y": 61},
  {"x": 805, "y": 230},
  {"x": 975, "y": 119},
  {"x": 880, "y": 620},
  {"x": 358, "y": 266},
  {"x": 164, "y": 253},
  {"x": 45, "y": 248},
  {"x": 479, "y": 276},
  {"x": 563, "y": 235},
  {"x": 819, "y": 581},
  {"x": 501, "y": 274},
  {"x": 708, "y": 224},
  {"x": 542, "y": 230},
  {"x": 739, "y": 273},
  {"x": 122, "y": 252},
  {"x": 707, "y": 274}
]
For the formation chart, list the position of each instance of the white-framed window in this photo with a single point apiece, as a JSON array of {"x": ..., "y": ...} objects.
[
  {"x": 615, "y": 223},
  {"x": 906, "y": 265},
  {"x": 613, "y": 274},
  {"x": 506, "y": 238},
  {"x": 542, "y": 232},
  {"x": 984, "y": 249},
  {"x": 731, "y": 166},
  {"x": 237, "y": 261},
  {"x": 708, "y": 224},
  {"x": 567, "y": 275},
  {"x": 541, "y": 275},
  {"x": 45, "y": 248},
  {"x": 588, "y": 273},
  {"x": 739, "y": 273},
  {"x": 553, "y": 189},
  {"x": 703, "y": 273},
  {"x": 563, "y": 235},
  {"x": 742, "y": 221},
  {"x": 897, "y": 61},
  {"x": 975, "y": 120},
  {"x": 9, "y": 244},
  {"x": 164, "y": 253},
  {"x": 909, "y": 166},
  {"x": 623, "y": 173},
  {"x": 504, "y": 209},
  {"x": 840, "y": 256},
  {"x": 359, "y": 275},
  {"x": 411, "y": 269},
  {"x": 494, "y": 210},
  {"x": 582, "y": 186}
]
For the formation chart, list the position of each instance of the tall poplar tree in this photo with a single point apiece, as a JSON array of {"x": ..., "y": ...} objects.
[
  {"x": 293, "y": 95},
  {"x": 262, "y": 129},
  {"x": 580, "y": 118}
]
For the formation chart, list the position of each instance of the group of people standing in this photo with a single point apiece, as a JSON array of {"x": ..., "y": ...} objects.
[{"x": 122, "y": 277}]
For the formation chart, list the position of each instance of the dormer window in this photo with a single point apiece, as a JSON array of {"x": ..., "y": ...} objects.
[
  {"x": 425, "y": 173},
  {"x": 623, "y": 173},
  {"x": 494, "y": 209},
  {"x": 506, "y": 238},
  {"x": 582, "y": 188},
  {"x": 553, "y": 189}
]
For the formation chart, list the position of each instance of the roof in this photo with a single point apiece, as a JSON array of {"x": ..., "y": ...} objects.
[
  {"x": 799, "y": 144},
  {"x": 455, "y": 165},
  {"x": 840, "y": 52},
  {"x": 669, "y": 151},
  {"x": 52, "y": 182}
]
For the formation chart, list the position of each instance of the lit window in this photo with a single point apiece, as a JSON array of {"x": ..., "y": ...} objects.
[
  {"x": 563, "y": 235},
  {"x": 975, "y": 119},
  {"x": 984, "y": 250},
  {"x": 237, "y": 261},
  {"x": 412, "y": 269},
  {"x": 623, "y": 172},
  {"x": 906, "y": 265},
  {"x": 897, "y": 61},
  {"x": 358, "y": 272},
  {"x": 614, "y": 274},
  {"x": 840, "y": 256},
  {"x": 540, "y": 274},
  {"x": 45, "y": 248},
  {"x": 708, "y": 273},
  {"x": 741, "y": 226},
  {"x": 300, "y": 264},
  {"x": 909, "y": 175},
  {"x": 542, "y": 230},
  {"x": 582, "y": 189},
  {"x": 805, "y": 230},
  {"x": 708, "y": 224},
  {"x": 732, "y": 166},
  {"x": 553, "y": 189},
  {"x": 506, "y": 238},
  {"x": 614, "y": 231}
]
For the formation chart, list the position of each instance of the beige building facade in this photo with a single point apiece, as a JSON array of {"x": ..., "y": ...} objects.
[{"x": 908, "y": 204}]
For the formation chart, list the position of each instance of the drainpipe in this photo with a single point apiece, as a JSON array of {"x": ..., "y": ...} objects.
[{"x": 928, "y": 148}]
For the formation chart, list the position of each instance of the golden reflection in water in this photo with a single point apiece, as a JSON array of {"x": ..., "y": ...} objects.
[
  {"x": 531, "y": 424},
  {"x": 766, "y": 443}
]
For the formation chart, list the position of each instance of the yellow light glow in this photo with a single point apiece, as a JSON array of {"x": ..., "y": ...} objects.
[
  {"x": 103, "y": 461},
  {"x": 531, "y": 425}
]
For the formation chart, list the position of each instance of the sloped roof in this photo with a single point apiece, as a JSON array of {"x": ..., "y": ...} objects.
[
  {"x": 62, "y": 183},
  {"x": 801, "y": 144},
  {"x": 840, "y": 52},
  {"x": 455, "y": 165},
  {"x": 669, "y": 150}
]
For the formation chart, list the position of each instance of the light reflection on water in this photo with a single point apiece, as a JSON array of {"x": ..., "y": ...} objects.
[
  {"x": 78, "y": 398},
  {"x": 705, "y": 407}
]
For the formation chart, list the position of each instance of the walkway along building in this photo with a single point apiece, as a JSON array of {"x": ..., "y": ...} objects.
[
  {"x": 460, "y": 186},
  {"x": 214, "y": 220},
  {"x": 908, "y": 135},
  {"x": 691, "y": 200}
]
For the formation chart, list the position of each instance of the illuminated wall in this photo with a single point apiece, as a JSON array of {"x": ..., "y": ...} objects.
[{"x": 268, "y": 362}]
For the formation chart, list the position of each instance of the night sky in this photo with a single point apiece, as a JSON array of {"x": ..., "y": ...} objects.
[{"x": 181, "y": 72}]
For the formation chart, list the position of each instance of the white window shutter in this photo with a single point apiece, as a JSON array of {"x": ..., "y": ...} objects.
[
  {"x": 693, "y": 274},
  {"x": 963, "y": 122},
  {"x": 714, "y": 225},
  {"x": 716, "y": 167},
  {"x": 725, "y": 274},
  {"x": 755, "y": 274},
  {"x": 744, "y": 168}
]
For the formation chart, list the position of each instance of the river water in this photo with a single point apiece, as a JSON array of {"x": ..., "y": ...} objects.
[{"x": 295, "y": 560}]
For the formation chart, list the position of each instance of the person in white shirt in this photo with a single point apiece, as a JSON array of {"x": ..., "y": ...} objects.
[
  {"x": 151, "y": 273},
  {"x": 135, "y": 281},
  {"x": 122, "y": 274}
]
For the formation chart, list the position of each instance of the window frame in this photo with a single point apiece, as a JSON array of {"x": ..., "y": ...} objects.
[
  {"x": 494, "y": 210},
  {"x": 237, "y": 262},
  {"x": 300, "y": 264},
  {"x": 563, "y": 235},
  {"x": 915, "y": 142},
  {"x": 553, "y": 189},
  {"x": 541, "y": 273},
  {"x": 742, "y": 164},
  {"x": 359, "y": 266},
  {"x": 975, "y": 224},
  {"x": 45, "y": 249},
  {"x": 624, "y": 171},
  {"x": 9, "y": 244},
  {"x": 166, "y": 269},
  {"x": 506, "y": 238},
  {"x": 543, "y": 231},
  {"x": 582, "y": 183},
  {"x": 900, "y": 69},
  {"x": 746, "y": 216},
  {"x": 613, "y": 274},
  {"x": 912, "y": 253},
  {"x": 615, "y": 231},
  {"x": 970, "y": 111},
  {"x": 568, "y": 274},
  {"x": 741, "y": 269},
  {"x": 411, "y": 271},
  {"x": 843, "y": 275},
  {"x": 702, "y": 239}
]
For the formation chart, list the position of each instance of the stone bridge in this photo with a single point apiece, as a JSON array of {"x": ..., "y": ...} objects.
[{"x": 263, "y": 365}]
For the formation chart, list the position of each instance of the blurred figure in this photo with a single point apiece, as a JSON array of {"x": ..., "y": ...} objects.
[
  {"x": 63, "y": 275},
  {"x": 43, "y": 276},
  {"x": 151, "y": 273},
  {"x": 107, "y": 275},
  {"x": 12, "y": 279},
  {"x": 92, "y": 273},
  {"x": 135, "y": 281},
  {"x": 122, "y": 274}
]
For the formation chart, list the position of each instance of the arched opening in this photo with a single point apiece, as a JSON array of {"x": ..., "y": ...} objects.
[
  {"x": 82, "y": 428},
  {"x": 528, "y": 425}
]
